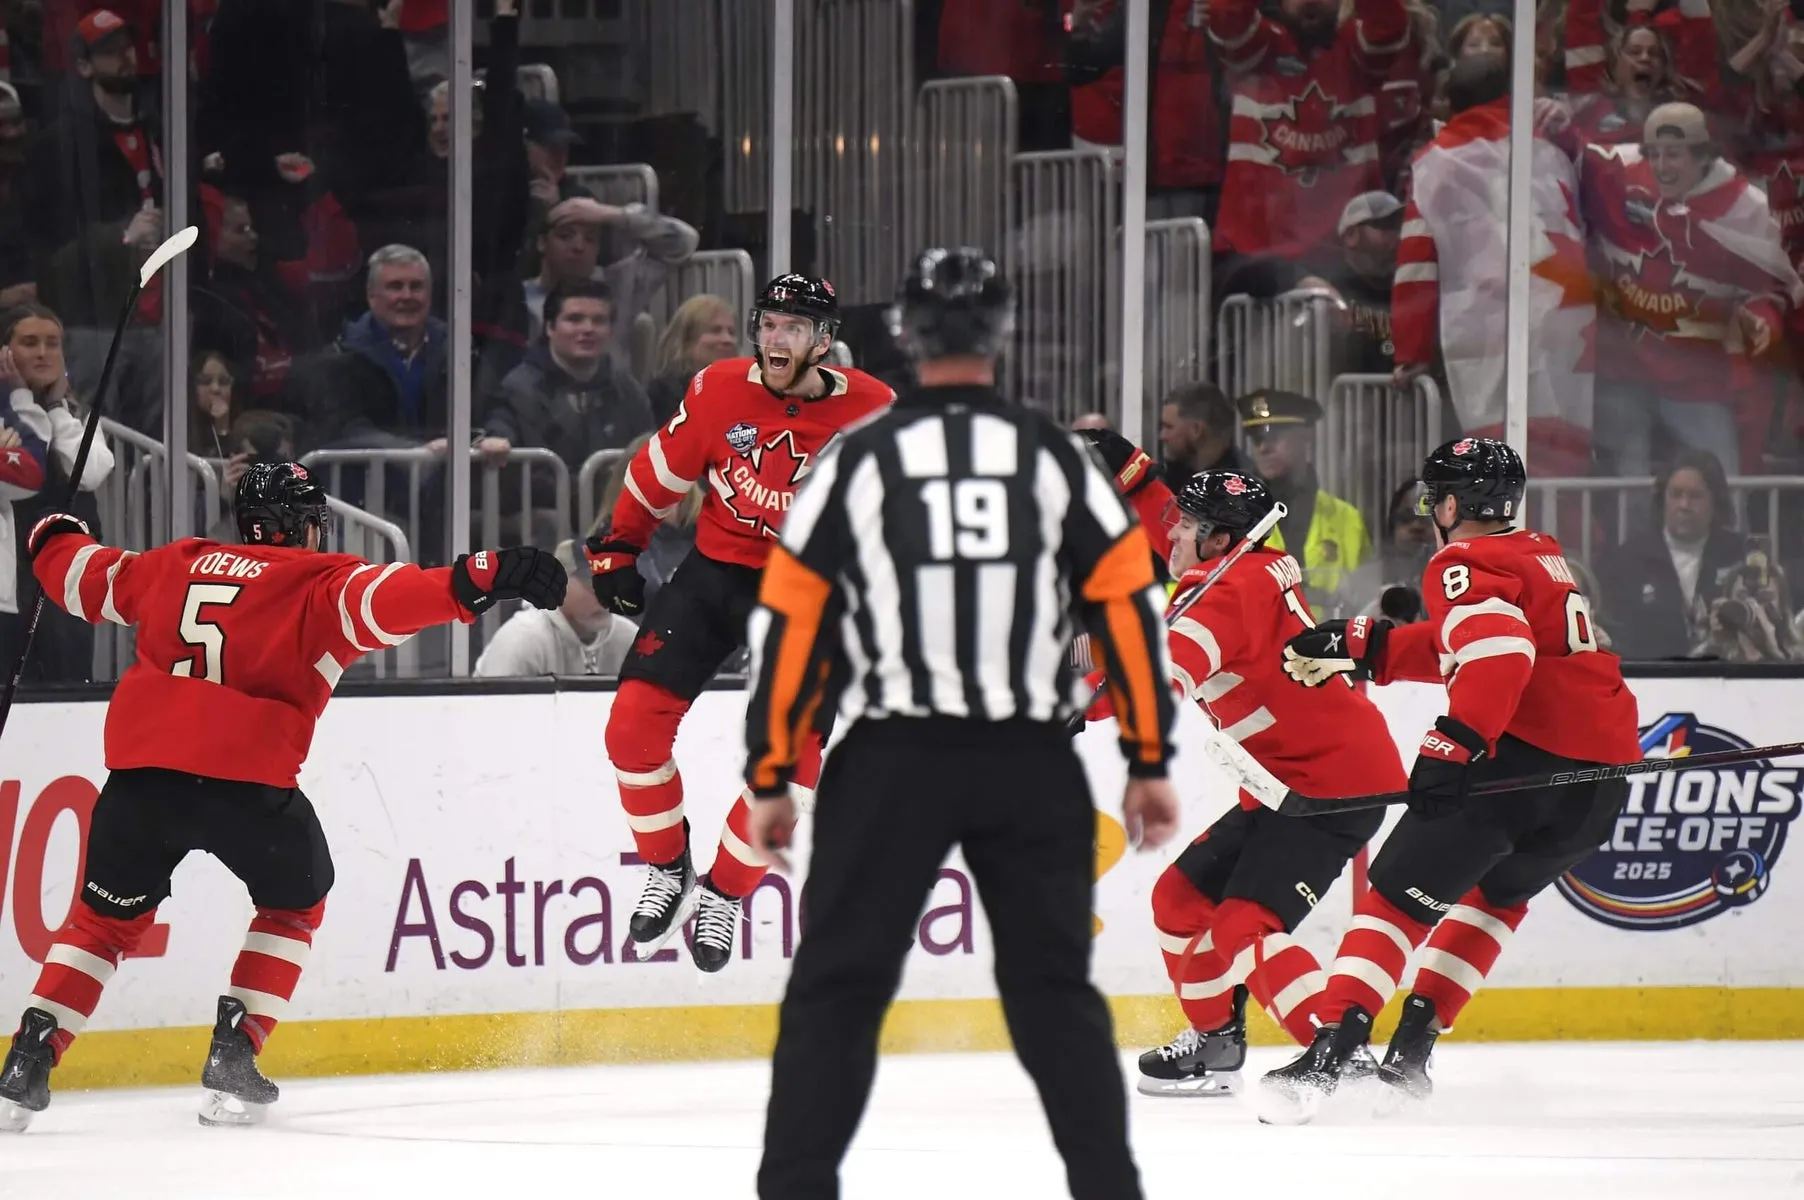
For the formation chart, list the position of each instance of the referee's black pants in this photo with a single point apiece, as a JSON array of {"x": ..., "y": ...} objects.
[{"x": 894, "y": 799}]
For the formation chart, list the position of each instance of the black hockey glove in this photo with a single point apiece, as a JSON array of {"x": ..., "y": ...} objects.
[
  {"x": 1132, "y": 467},
  {"x": 1337, "y": 647},
  {"x": 52, "y": 525},
  {"x": 480, "y": 581},
  {"x": 614, "y": 574},
  {"x": 1439, "y": 780}
]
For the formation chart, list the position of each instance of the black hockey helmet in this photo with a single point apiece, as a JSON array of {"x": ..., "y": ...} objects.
[
  {"x": 1223, "y": 502},
  {"x": 798, "y": 295},
  {"x": 954, "y": 302},
  {"x": 276, "y": 502},
  {"x": 1483, "y": 474}
]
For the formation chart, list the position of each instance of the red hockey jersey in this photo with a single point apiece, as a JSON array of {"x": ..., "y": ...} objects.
[
  {"x": 1511, "y": 635},
  {"x": 239, "y": 647},
  {"x": 1305, "y": 128},
  {"x": 1227, "y": 654},
  {"x": 752, "y": 447},
  {"x": 1673, "y": 273}
]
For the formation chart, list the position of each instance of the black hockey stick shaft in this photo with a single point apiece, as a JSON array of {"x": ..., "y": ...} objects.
[
  {"x": 158, "y": 257},
  {"x": 1296, "y": 805}
]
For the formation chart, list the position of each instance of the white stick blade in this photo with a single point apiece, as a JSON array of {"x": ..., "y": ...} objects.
[{"x": 181, "y": 243}]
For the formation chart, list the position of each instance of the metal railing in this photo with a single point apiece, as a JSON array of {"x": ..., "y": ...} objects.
[
  {"x": 1285, "y": 342},
  {"x": 1177, "y": 309},
  {"x": 374, "y": 476},
  {"x": 1068, "y": 273},
  {"x": 1590, "y": 516},
  {"x": 854, "y": 98},
  {"x": 1372, "y": 438},
  {"x": 598, "y": 466},
  {"x": 724, "y": 273},
  {"x": 962, "y": 150},
  {"x": 620, "y": 184}
]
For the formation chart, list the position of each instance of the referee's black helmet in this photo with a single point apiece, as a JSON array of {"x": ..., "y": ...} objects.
[{"x": 954, "y": 303}]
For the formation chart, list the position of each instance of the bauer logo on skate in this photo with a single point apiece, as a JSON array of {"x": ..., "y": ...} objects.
[{"x": 1689, "y": 844}]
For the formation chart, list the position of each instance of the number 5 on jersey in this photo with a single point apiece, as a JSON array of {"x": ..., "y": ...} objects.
[{"x": 205, "y": 635}]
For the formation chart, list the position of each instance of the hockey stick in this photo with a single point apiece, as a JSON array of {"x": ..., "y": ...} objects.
[
  {"x": 159, "y": 258},
  {"x": 1296, "y": 805},
  {"x": 1178, "y": 607}
]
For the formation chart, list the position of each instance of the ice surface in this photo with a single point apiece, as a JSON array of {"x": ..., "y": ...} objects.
[{"x": 1544, "y": 1122}]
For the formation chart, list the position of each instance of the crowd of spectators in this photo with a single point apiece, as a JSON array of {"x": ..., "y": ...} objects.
[
  {"x": 1356, "y": 149},
  {"x": 1359, "y": 149}
]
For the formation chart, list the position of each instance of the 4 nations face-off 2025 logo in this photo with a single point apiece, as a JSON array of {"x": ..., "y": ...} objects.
[{"x": 1687, "y": 845}]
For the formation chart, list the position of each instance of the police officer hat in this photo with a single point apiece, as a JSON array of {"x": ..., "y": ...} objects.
[{"x": 1275, "y": 408}]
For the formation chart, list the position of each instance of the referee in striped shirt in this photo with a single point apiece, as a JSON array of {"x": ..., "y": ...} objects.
[{"x": 927, "y": 582}]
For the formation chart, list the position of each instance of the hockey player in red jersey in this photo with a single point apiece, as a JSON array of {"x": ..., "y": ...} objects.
[
  {"x": 1528, "y": 692},
  {"x": 750, "y": 427},
  {"x": 251, "y": 639},
  {"x": 1226, "y": 908}
]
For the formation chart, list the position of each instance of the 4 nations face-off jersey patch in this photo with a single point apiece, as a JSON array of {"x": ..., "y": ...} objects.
[{"x": 1688, "y": 845}]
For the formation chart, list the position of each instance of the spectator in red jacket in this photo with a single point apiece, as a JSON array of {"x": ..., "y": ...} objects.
[
  {"x": 1305, "y": 126},
  {"x": 1695, "y": 287},
  {"x": 1189, "y": 136},
  {"x": 1016, "y": 38},
  {"x": 1616, "y": 81}
]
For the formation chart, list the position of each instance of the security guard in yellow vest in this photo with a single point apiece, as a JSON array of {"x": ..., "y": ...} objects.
[{"x": 1325, "y": 534}]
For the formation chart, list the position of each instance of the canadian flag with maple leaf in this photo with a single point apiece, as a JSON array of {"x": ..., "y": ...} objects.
[
  {"x": 1451, "y": 289},
  {"x": 1303, "y": 135},
  {"x": 1693, "y": 288}
]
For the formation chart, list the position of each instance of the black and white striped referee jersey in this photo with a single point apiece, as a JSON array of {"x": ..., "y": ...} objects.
[{"x": 932, "y": 565}]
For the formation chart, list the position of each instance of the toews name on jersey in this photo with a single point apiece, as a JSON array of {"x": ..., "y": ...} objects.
[
  {"x": 750, "y": 448},
  {"x": 238, "y": 647}
]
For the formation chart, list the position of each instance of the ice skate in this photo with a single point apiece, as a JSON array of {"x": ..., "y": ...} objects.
[
  {"x": 1294, "y": 1093},
  {"x": 1199, "y": 1063},
  {"x": 663, "y": 905},
  {"x": 25, "y": 1076},
  {"x": 237, "y": 1092},
  {"x": 1406, "y": 1059},
  {"x": 716, "y": 921}
]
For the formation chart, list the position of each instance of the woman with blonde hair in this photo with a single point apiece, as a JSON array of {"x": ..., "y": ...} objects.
[
  {"x": 701, "y": 331},
  {"x": 670, "y": 542}
]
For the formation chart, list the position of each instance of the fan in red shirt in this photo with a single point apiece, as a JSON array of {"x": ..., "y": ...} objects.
[
  {"x": 1528, "y": 693},
  {"x": 238, "y": 650},
  {"x": 1226, "y": 908},
  {"x": 750, "y": 428}
]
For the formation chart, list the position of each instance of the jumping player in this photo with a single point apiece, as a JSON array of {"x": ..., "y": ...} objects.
[
  {"x": 250, "y": 639},
  {"x": 1226, "y": 907},
  {"x": 1528, "y": 692},
  {"x": 751, "y": 427}
]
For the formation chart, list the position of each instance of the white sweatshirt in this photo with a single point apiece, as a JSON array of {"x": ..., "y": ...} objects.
[{"x": 536, "y": 642}]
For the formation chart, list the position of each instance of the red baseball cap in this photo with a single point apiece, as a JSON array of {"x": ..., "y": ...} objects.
[{"x": 101, "y": 29}]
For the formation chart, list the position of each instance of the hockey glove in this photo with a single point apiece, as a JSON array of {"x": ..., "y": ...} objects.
[
  {"x": 52, "y": 525},
  {"x": 614, "y": 574},
  {"x": 1336, "y": 647},
  {"x": 1132, "y": 467},
  {"x": 1438, "y": 782},
  {"x": 480, "y": 581}
]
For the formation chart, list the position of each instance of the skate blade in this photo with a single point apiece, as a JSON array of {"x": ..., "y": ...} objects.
[
  {"x": 15, "y": 1118},
  {"x": 644, "y": 950},
  {"x": 1283, "y": 1104},
  {"x": 226, "y": 1111},
  {"x": 1396, "y": 1099},
  {"x": 1216, "y": 1084}
]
